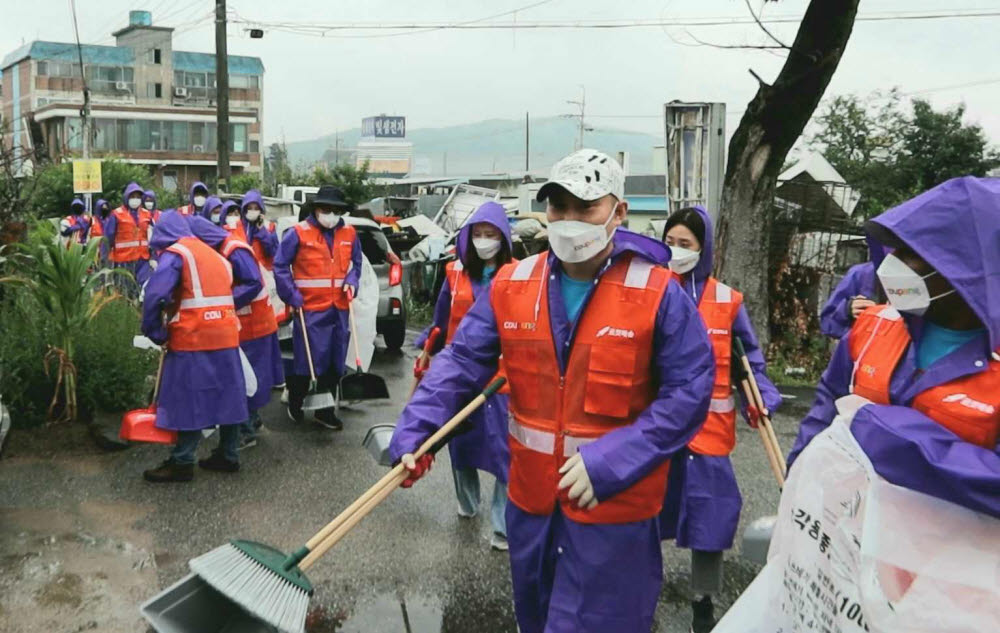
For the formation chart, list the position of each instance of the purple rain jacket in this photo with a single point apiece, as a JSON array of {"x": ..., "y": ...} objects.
[{"x": 955, "y": 227}]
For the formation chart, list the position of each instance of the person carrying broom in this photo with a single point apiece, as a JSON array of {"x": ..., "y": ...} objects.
[
  {"x": 610, "y": 372},
  {"x": 317, "y": 270},
  {"x": 702, "y": 507}
]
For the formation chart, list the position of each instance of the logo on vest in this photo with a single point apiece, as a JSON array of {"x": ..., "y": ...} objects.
[
  {"x": 713, "y": 330},
  {"x": 607, "y": 330},
  {"x": 868, "y": 370},
  {"x": 514, "y": 325},
  {"x": 968, "y": 402},
  {"x": 212, "y": 315}
]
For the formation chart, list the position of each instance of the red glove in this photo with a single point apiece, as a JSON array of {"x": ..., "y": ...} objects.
[
  {"x": 753, "y": 416},
  {"x": 419, "y": 369},
  {"x": 422, "y": 465}
]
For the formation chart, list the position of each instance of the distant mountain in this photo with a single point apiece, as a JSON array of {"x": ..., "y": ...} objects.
[{"x": 496, "y": 145}]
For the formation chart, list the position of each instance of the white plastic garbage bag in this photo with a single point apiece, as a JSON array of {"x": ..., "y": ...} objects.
[
  {"x": 272, "y": 292},
  {"x": 365, "y": 314},
  {"x": 852, "y": 553}
]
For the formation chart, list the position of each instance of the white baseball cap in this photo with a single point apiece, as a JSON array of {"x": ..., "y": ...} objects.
[{"x": 587, "y": 174}]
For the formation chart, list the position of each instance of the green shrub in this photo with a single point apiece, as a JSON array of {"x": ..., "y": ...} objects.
[{"x": 111, "y": 374}]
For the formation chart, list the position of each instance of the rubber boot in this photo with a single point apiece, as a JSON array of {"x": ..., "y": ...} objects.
[{"x": 169, "y": 471}]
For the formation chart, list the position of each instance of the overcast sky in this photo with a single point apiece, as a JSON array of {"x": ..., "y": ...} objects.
[{"x": 315, "y": 85}]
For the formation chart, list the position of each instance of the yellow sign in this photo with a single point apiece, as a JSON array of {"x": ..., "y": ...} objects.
[{"x": 87, "y": 176}]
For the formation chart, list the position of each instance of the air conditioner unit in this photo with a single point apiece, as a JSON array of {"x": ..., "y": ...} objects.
[
  {"x": 180, "y": 91},
  {"x": 198, "y": 148},
  {"x": 121, "y": 85}
]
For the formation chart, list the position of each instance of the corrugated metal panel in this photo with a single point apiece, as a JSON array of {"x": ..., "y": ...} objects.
[
  {"x": 205, "y": 63},
  {"x": 66, "y": 52}
]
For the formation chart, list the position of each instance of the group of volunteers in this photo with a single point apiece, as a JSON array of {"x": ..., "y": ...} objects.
[
  {"x": 620, "y": 419},
  {"x": 203, "y": 270}
]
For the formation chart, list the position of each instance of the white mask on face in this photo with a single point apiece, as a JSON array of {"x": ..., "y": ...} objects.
[
  {"x": 215, "y": 217},
  {"x": 573, "y": 241},
  {"x": 907, "y": 291},
  {"x": 148, "y": 204},
  {"x": 199, "y": 201},
  {"x": 486, "y": 247},
  {"x": 232, "y": 221},
  {"x": 683, "y": 260},
  {"x": 327, "y": 220},
  {"x": 253, "y": 214},
  {"x": 133, "y": 203}
]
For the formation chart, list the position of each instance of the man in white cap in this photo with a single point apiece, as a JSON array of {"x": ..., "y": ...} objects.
[{"x": 610, "y": 373}]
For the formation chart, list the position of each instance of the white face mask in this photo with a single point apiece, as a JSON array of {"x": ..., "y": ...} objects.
[
  {"x": 148, "y": 204},
  {"x": 133, "y": 203},
  {"x": 252, "y": 215},
  {"x": 683, "y": 260},
  {"x": 199, "y": 201},
  {"x": 907, "y": 291},
  {"x": 486, "y": 247},
  {"x": 573, "y": 241},
  {"x": 215, "y": 217},
  {"x": 232, "y": 221},
  {"x": 327, "y": 220}
]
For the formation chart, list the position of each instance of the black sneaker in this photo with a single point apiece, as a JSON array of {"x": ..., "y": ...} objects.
[
  {"x": 295, "y": 414},
  {"x": 169, "y": 471},
  {"x": 703, "y": 618},
  {"x": 327, "y": 418},
  {"x": 219, "y": 463}
]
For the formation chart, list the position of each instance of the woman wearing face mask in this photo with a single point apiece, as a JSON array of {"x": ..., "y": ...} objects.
[
  {"x": 212, "y": 210},
  {"x": 149, "y": 204},
  {"x": 261, "y": 233},
  {"x": 230, "y": 220},
  {"x": 702, "y": 507},
  {"x": 197, "y": 197},
  {"x": 483, "y": 246},
  {"x": 933, "y": 348},
  {"x": 127, "y": 232},
  {"x": 317, "y": 270}
]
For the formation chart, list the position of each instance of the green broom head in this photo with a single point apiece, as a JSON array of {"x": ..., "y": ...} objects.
[{"x": 275, "y": 560}]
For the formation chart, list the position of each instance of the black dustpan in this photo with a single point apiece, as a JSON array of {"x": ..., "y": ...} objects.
[{"x": 360, "y": 385}]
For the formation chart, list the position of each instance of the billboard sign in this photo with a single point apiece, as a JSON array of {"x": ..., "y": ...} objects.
[{"x": 383, "y": 127}]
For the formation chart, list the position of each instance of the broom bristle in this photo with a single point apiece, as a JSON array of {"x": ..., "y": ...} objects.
[{"x": 254, "y": 587}]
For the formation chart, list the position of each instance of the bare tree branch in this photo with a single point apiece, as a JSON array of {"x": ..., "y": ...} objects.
[
  {"x": 756, "y": 19},
  {"x": 735, "y": 46}
]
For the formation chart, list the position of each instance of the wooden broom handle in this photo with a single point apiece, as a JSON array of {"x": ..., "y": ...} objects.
[
  {"x": 354, "y": 330},
  {"x": 773, "y": 458},
  {"x": 305, "y": 339},
  {"x": 392, "y": 479},
  {"x": 159, "y": 373},
  {"x": 765, "y": 421}
]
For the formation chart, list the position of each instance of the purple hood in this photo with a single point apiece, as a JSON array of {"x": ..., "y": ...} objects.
[
  {"x": 196, "y": 185},
  {"x": 227, "y": 206},
  {"x": 129, "y": 190},
  {"x": 955, "y": 227},
  {"x": 645, "y": 247},
  {"x": 703, "y": 269},
  {"x": 251, "y": 196},
  {"x": 492, "y": 213},
  {"x": 171, "y": 227},
  {"x": 211, "y": 203},
  {"x": 207, "y": 232},
  {"x": 98, "y": 208},
  {"x": 149, "y": 195},
  {"x": 77, "y": 207}
]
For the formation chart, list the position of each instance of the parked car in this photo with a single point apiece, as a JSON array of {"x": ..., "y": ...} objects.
[{"x": 391, "y": 320}]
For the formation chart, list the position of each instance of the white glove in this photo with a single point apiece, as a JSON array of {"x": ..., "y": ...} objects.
[{"x": 575, "y": 477}]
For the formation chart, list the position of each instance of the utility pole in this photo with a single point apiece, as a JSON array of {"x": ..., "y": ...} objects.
[
  {"x": 527, "y": 144},
  {"x": 582, "y": 104},
  {"x": 222, "y": 95},
  {"x": 336, "y": 149},
  {"x": 85, "y": 110},
  {"x": 445, "y": 163}
]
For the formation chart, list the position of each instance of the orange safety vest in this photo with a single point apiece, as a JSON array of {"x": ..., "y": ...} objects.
[
  {"x": 718, "y": 307},
  {"x": 319, "y": 273},
  {"x": 258, "y": 248},
  {"x": 96, "y": 226},
  {"x": 461, "y": 296},
  {"x": 203, "y": 317},
  {"x": 607, "y": 384},
  {"x": 256, "y": 318},
  {"x": 131, "y": 238},
  {"x": 969, "y": 406},
  {"x": 237, "y": 233}
]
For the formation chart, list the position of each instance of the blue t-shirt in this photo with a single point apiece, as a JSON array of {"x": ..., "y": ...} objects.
[
  {"x": 573, "y": 293},
  {"x": 936, "y": 342},
  {"x": 488, "y": 272}
]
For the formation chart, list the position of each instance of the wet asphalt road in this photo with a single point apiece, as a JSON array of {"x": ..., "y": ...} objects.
[{"x": 413, "y": 560}]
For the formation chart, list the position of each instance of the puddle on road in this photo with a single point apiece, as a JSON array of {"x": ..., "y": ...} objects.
[{"x": 397, "y": 613}]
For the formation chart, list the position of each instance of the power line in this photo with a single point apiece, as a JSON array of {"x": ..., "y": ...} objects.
[{"x": 323, "y": 30}]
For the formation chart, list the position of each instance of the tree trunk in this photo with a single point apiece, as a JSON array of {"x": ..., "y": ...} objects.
[{"x": 773, "y": 121}]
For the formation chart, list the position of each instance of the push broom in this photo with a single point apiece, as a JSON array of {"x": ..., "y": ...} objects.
[
  {"x": 764, "y": 427},
  {"x": 273, "y": 587}
]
